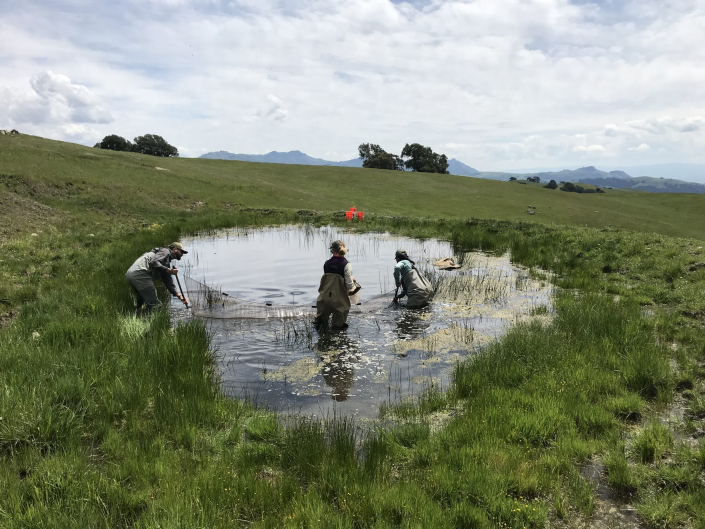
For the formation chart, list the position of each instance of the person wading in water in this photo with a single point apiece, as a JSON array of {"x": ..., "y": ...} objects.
[
  {"x": 153, "y": 265},
  {"x": 336, "y": 284},
  {"x": 413, "y": 285}
]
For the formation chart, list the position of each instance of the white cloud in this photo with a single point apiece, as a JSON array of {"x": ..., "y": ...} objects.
[
  {"x": 276, "y": 111},
  {"x": 81, "y": 133},
  {"x": 500, "y": 83},
  {"x": 666, "y": 124},
  {"x": 589, "y": 148},
  {"x": 54, "y": 99},
  {"x": 641, "y": 148},
  {"x": 611, "y": 130}
]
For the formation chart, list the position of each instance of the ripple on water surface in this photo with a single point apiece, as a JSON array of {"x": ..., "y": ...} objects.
[{"x": 384, "y": 355}]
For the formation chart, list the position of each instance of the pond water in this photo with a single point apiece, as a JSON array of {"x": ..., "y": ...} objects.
[{"x": 387, "y": 352}]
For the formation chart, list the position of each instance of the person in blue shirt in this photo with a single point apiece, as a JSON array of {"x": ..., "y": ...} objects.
[{"x": 414, "y": 286}]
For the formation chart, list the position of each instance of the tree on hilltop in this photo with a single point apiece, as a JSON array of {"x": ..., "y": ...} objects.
[
  {"x": 154, "y": 146},
  {"x": 374, "y": 157},
  {"x": 114, "y": 142},
  {"x": 423, "y": 160},
  {"x": 551, "y": 185}
]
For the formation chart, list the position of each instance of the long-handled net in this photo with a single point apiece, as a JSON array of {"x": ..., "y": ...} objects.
[{"x": 213, "y": 303}]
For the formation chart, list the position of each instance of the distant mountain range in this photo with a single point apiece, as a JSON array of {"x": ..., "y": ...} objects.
[
  {"x": 659, "y": 180},
  {"x": 566, "y": 175},
  {"x": 291, "y": 157},
  {"x": 647, "y": 183},
  {"x": 615, "y": 179},
  {"x": 299, "y": 158},
  {"x": 690, "y": 172}
]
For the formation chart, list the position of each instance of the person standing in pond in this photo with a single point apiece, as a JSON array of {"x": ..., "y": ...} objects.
[
  {"x": 153, "y": 265},
  {"x": 333, "y": 292},
  {"x": 414, "y": 286}
]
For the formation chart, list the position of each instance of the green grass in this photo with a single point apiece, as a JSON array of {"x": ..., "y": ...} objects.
[
  {"x": 109, "y": 421},
  {"x": 109, "y": 187}
]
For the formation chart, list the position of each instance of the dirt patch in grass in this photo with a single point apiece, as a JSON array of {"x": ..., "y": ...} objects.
[{"x": 7, "y": 317}]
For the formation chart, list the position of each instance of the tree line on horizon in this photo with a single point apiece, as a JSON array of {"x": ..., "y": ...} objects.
[
  {"x": 150, "y": 144},
  {"x": 414, "y": 157}
]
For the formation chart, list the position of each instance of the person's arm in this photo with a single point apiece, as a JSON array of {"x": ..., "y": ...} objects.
[
  {"x": 400, "y": 270},
  {"x": 169, "y": 283},
  {"x": 397, "y": 274},
  {"x": 403, "y": 291},
  {"x": 349, "y": 279}
]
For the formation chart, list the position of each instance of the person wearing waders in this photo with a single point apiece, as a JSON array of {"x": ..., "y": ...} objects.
[
  {"x": 414, "y": 286},
  {"x": 334, "y": 291},
  {"x": 153, "y": 265}
]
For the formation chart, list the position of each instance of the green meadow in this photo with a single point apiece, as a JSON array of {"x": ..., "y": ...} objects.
[{"x": 594, "y": 417}]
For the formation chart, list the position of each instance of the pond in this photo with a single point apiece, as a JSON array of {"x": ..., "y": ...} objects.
[{"x": 388, "y": 352}]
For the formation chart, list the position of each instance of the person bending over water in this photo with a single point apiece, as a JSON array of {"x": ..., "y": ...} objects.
[
  {"x": 155, "y": 264},
  {"x": 336, "y": 283},
  {"x": 413, "y": 285}
]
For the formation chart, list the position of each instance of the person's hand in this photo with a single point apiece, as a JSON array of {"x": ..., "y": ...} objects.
[
  {"x": 398, "y": 285},
  {"x": 353, "y": 278},
  {"x": 183, "y": 299},
  {"x": 395, "y": 300},
  {"x": 173, "y": 271}
]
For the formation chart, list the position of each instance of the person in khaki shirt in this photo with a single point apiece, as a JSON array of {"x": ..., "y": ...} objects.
[{"x": 153, "y": 265}]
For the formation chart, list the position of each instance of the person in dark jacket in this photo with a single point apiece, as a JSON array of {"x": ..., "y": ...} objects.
[
  {"x": 153, "y": 265},
  {"x": 334, "y": 290}
]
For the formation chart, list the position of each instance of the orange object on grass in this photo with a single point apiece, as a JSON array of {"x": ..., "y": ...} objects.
[
  {"x": 353, "y": 209},
  {"x": 360, "y": 215},
  {"x": 348, "y": 215}
]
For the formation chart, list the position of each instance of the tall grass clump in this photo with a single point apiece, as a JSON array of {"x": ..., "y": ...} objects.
[{"x": 112, "y": 421}]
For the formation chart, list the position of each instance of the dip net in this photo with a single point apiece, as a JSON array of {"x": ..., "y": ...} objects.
[{"x": 213, "y": 303}]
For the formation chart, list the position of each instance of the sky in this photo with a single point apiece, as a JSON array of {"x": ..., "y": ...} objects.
[{"x": 497, "y": 84}]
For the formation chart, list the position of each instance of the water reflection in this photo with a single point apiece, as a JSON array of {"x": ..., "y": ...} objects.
[
  {"x": 339, "y": 354},
  {"x": 412, "y": 323},
  {"x": 385, "y": 354}
]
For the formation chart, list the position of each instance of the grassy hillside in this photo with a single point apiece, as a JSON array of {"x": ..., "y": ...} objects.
[
  {"x": 70, "y": 177},
  {"x": 107, "y": 420}
]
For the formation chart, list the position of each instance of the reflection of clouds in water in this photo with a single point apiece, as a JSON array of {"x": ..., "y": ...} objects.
[{"x": 388, "y": 353}]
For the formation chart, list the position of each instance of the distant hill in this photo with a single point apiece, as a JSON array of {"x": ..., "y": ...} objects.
[
  {"x": 615, "y": 179},
  {"x": 647, "y": 183},
  {"x": 690, "y": 172},
  {"x": 291, "y": 157},
  {"x": 455, "y": 167},
  {"x": 566, "y": 175},
  {"x": 459, "y": 168},
  {"x": 581, "y": 174}
]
